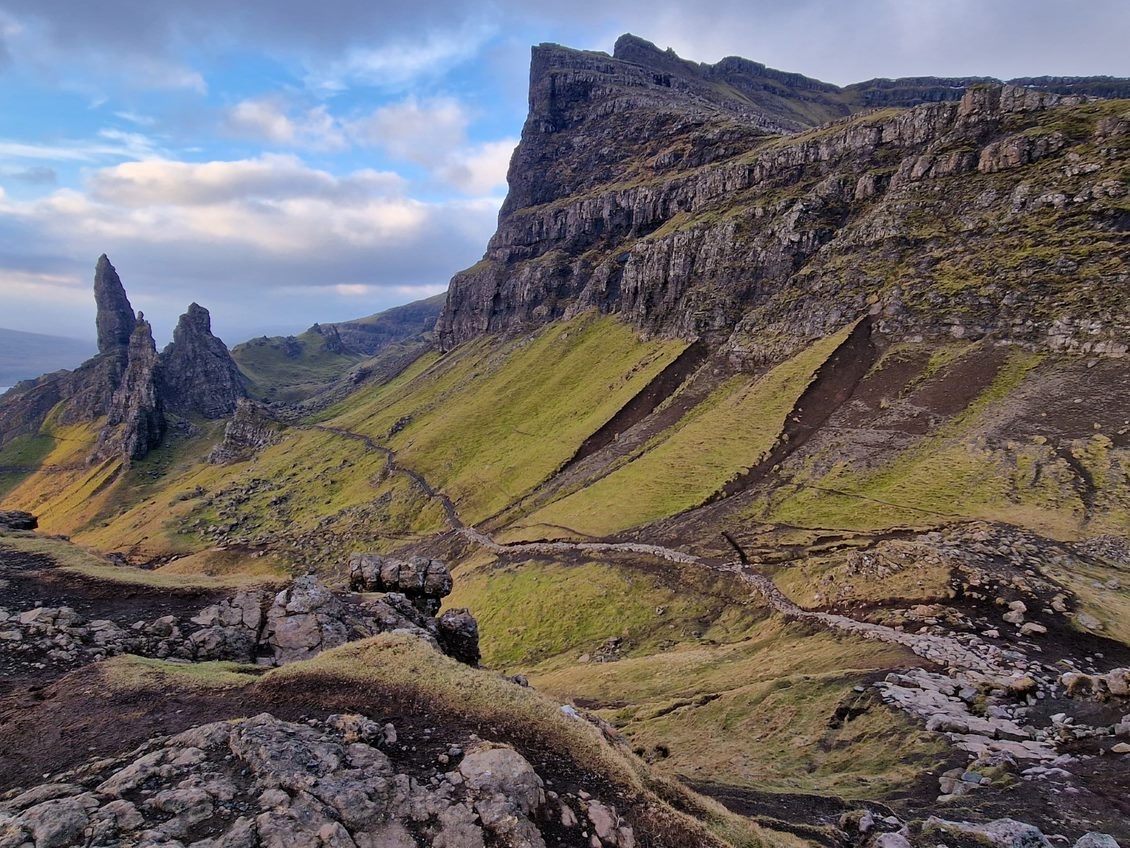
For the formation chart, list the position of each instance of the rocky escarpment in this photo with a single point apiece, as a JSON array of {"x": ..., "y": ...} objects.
[
  {"x": 630, "y": 194},
  {"x": 128, "y": 381}
]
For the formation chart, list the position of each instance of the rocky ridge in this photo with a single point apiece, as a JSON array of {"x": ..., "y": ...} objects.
[
  {"x": 253, "y": 626},
  {"x": 632, "y": 194},
  {"x": 264, "y": 781}
]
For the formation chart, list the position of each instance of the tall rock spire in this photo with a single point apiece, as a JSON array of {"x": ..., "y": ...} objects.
[
  {"x": 199, "y": 376},
  {"x": 135, "y": 423},
  {"x": 115, "y": 315}
]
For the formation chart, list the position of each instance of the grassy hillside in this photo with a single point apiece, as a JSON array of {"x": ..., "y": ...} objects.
[{"x": 291, "y": 368}]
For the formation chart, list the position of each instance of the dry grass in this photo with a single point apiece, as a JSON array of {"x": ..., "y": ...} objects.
[{"x": 78, "y": 560}]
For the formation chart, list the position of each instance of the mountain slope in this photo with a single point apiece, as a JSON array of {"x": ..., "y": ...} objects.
[
  {"x": 291, "y": 368},
  {"x": 802, "y": 459}
]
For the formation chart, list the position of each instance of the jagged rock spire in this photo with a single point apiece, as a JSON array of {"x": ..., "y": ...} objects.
[
  {"x": 199, "y": 375},
  {"x": 115, "y": 315},
  {"x": 136, "y": 420}
]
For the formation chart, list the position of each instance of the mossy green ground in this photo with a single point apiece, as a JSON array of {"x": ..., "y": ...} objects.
[
  {"x": 277, "y": 375},
  {"x": 729, "y": 433},
  {"x": 490, "y": 422}
]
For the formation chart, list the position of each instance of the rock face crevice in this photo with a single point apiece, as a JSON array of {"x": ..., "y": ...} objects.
[{"x": 654, "y": 188}]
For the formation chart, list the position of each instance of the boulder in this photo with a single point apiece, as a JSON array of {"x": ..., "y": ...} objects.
[
  {"x": 424, "y": 581},
  {"x": 1000, "y": 833},
  {"x": 14, "y": 519},
  {"x": 459, "y": 635}
]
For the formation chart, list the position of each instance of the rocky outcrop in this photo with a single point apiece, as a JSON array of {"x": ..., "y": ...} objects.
[
  {"x": 128, "y": 382},
  {"x": 630, "y": 194},
  {"x": 250, "y": 429},
  {"x": 199, "y": 377},
  {"x": 135, "y": 422},
  {"x": 424, "y": 581},
  {"x": 253, "y": 626},
  {"x": 344, "y": 780},
  {"x": 14, "y": 519}
]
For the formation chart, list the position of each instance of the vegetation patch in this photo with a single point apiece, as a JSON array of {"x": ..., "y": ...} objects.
[{"x": 730, "y": 432}]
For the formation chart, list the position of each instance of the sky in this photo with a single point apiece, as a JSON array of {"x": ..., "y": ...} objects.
[{"x": 283, "y": 162}]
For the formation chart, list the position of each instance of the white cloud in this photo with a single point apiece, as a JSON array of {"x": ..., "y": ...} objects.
[
  {"x": 433, "y": 133},
  {"x": 236, "y": 235},
  {"x": 481, "y": 168},
  {"x": 268, "y": 178},
  {"x": 397, "y": 64},
  {"x": 270, "y": 119},
  {"x": 421, "y": 131},
  {"x": 109, "y": 144}
]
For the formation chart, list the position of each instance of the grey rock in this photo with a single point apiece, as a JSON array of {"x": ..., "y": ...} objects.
[
  {"x": 251, "y": 429},
  {"x": 115, "y": 319},
  {"x": 135, "y": 423},
  {"x": 199, "y": 376}
]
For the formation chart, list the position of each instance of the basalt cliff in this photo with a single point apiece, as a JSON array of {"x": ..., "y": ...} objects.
[{"x": 667, "y": 192}]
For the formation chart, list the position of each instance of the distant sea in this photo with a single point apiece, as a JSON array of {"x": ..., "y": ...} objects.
[{"x": 4, "y": 389}]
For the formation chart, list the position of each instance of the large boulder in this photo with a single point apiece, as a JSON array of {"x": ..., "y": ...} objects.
[
  {"x": 14, "y": 519},
  {"x": 424, "y": 581}
]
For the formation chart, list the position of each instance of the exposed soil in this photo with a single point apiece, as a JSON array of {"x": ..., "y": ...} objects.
[
  {"x": 835, "y": 381},
  {"x": 662, "y": 386}
]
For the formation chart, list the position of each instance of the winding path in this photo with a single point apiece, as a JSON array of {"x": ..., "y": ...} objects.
[{"x": 967, "y": 654}]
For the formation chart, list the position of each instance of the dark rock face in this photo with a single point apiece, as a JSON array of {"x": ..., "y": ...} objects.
[
  {"x": 634, "y": 192},
  {"x": 424, "y": 581},
  {"x": 115, "y": 315},
  {"x": 135, "y": 423},
  {"x": 199, "y": 377},
  {"x": 14, "y": 519},
  {"x": 459, "y": 636},
  {"x": 250, "y": 430}
]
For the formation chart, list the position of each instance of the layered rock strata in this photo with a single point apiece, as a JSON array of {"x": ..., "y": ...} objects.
[{"x": 633, "y": 193}]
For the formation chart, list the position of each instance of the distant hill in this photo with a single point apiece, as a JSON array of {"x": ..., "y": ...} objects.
[
  {"x": 290, "y": 368},
  {"x": 27, "y": 355}
]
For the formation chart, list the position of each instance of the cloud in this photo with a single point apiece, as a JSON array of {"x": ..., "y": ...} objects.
[
  {"x": 414, "y": 130},
  {"x": 433, "y": 133},
  {"x": 402, "y": 61},
  {"x": 36, "y": 175},
  {"x": 269, "y": 119},
  {"x": 258, "y": 240},
  {"x": 108, "y": 144},
  {"x": 271, "y": 177},
  {"x": 481, "y": 168}
]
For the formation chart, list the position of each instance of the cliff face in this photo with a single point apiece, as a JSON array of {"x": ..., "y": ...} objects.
[{"x": 649, "y": 186}]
